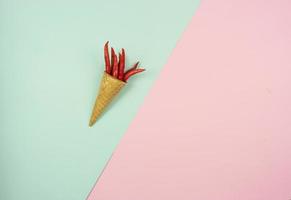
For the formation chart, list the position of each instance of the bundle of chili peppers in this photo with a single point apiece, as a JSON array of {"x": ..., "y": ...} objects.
[
  {"x": 117, "y": 66},
  {"x": 114, "y": 78}
]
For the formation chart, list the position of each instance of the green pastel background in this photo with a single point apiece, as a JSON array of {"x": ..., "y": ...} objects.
[{"x": 51, "y": 62}]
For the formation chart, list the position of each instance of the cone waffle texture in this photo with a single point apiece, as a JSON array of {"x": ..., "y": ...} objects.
[{"x": 109, "y": 88}]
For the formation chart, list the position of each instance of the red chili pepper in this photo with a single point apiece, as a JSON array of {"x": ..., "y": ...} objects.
[
  {"x": 121, "y": 64},
  {"x": 128, "y": 74},
  {"x": 106, "y": 57},
  {"x": 112, "y": 59},
  {"x": 119, "y": 60},
  {"x": 133, "y": 67},
  {"x": 115, "y": 67}
]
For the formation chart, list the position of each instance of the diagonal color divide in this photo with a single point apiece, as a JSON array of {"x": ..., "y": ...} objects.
[
  {"x": 217, "y": 124},
  {"x": 51, "y": 63}
]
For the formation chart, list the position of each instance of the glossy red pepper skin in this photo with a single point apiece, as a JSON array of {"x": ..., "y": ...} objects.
[
  {"x": 121, "y": 64},
  {"x": 112, "y": 60},
  {"x": 130, "y": 73},
  {"x": 133, "y": 67},
  {"x": 107, "y": 60},
  {"x": 115, "y": 67}
]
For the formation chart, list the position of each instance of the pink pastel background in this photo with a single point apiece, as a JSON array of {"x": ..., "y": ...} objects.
[{"x": 217, "y": 123}]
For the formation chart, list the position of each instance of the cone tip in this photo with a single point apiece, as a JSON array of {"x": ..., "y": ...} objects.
[{"x": 91, "y": 123}]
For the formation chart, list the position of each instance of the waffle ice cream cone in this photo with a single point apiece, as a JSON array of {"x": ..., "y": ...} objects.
[{"x": 109, "y": 88}]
